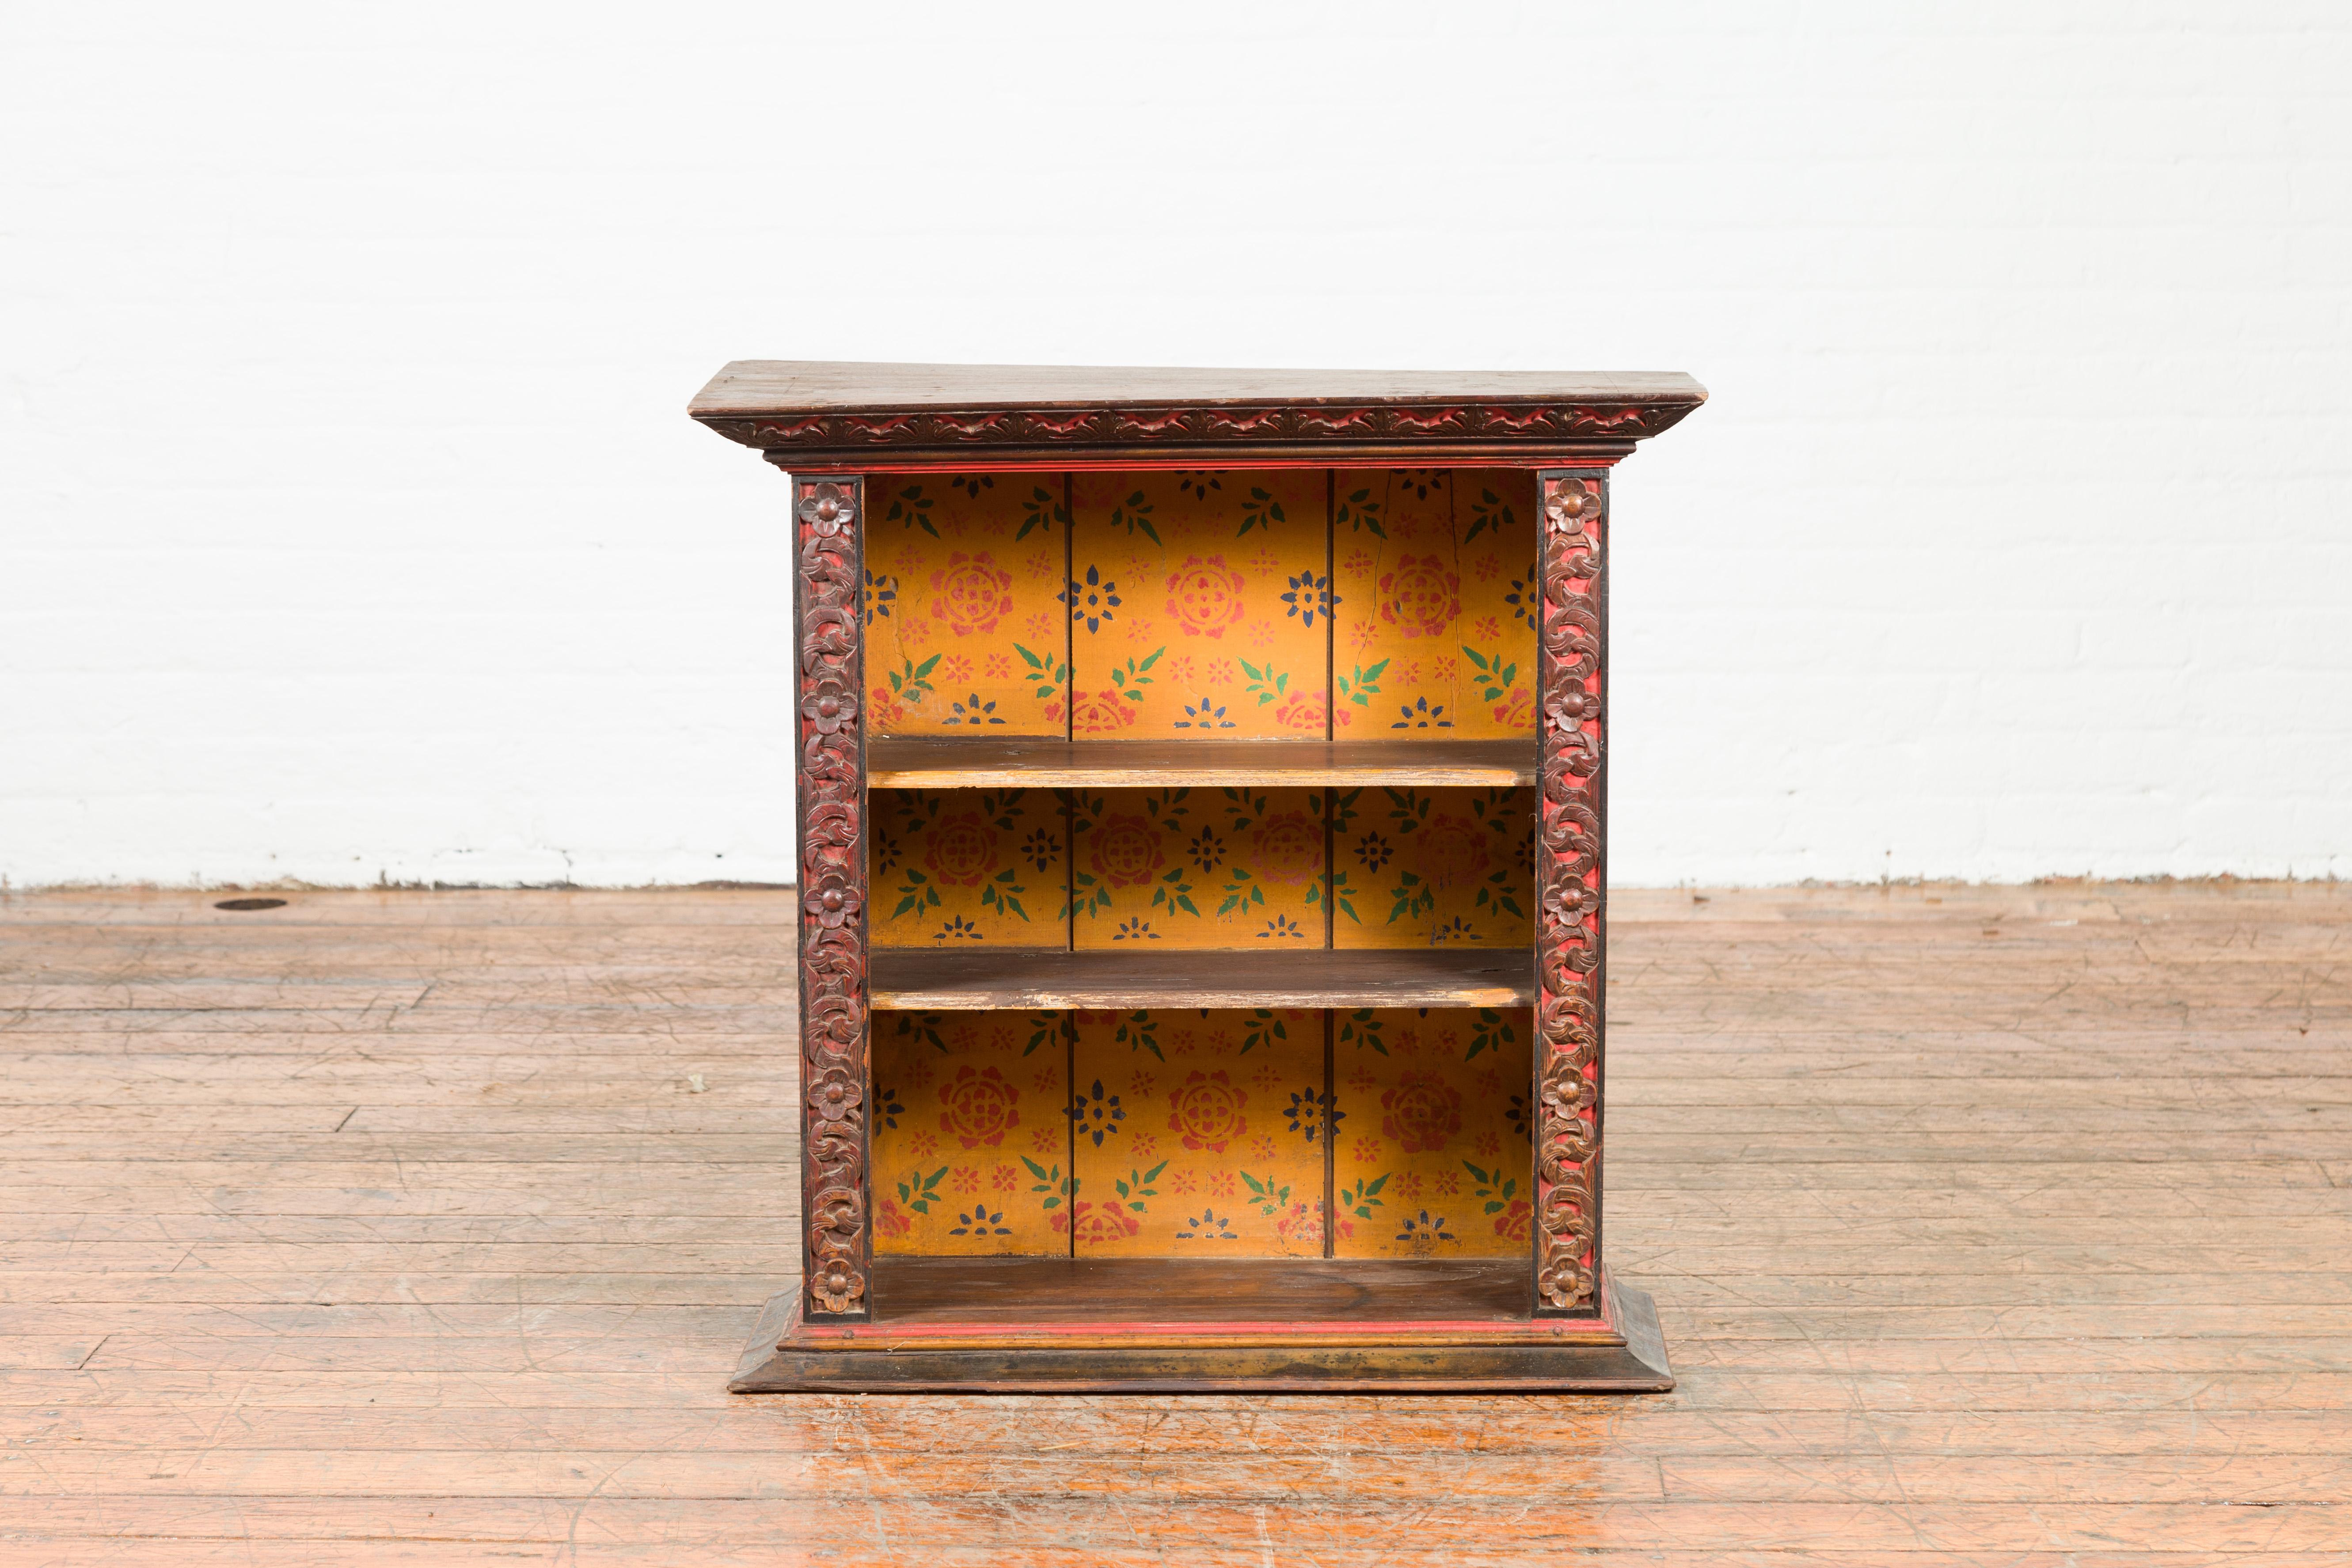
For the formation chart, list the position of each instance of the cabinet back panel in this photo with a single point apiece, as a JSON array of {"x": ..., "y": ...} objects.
[
  {"x": 1198, "y": 604},
  {"x": 964, "y": 614},
  {"x": 970, "y": 1132},
  {"x": 1438, "y": 601}
]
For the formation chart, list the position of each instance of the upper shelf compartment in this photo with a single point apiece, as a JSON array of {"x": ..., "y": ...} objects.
[{"x": 985, "y": 761}]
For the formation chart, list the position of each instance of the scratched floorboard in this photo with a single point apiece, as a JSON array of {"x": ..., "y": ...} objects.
[{"x": 1988, "y": 1227}]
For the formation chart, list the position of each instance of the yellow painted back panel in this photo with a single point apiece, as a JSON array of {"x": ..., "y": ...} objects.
[
  {"x": 1166, "y": 868},
  {"x": 960, "y": 868},
  {"x": 1438, "y": 602},
  {"x": 970, "y": 1132},
  {"x": 1433, "y": 1157},
  {"x": 1199, "y": 604},
  {"x": 963, "y": 623},
  {"x": 1199, "y": 1135},
  {"x": 1416, "y": 867}
]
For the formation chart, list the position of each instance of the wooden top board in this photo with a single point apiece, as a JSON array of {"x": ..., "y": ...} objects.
[
  {"x": 820, "y": 413},
  {"x": 948, "y": 761},
  {"x": 927, "y": 979}
]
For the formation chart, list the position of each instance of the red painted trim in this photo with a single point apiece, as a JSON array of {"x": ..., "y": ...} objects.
[{"x": 1516, "y": 462}]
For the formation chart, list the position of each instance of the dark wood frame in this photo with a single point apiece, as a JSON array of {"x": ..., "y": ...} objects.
[{"x": 832, "y": 425}]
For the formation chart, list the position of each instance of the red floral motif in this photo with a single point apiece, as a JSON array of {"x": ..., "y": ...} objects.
[
  {"x": 1107, "y": 1221},
  {"x": 1208, "y": 1110},
  {"x": 1454, "y": 850},
  {"x": 1423, "y": 1112},
  {"x": 1126, "y": 850},
  {"x": 1421, "y": 596},
  {"x": 885, "y": 709},
  {"x": 1517, "y": 709},
  {"x": 894, "y": 1218},
  {"x": 1511, "y": 1225},
  {"x": 1099, "y": 713},
  {"x": 979, "y": 1107},
  {"x": 960, "y": 850},
  {"x": 1288, "y": 849},
  {"x": 1301, "y": 1223},
  {"x": 1204, "y": 595},
  {"x": 971, "y": 592},
  {"x": 1301, "y": 710}
]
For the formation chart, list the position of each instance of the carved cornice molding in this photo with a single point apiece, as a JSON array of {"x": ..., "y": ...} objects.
[{"x": 1425, "y": 431}]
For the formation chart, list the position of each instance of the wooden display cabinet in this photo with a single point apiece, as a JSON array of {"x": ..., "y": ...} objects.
[{"x": 1202, "y": 818}]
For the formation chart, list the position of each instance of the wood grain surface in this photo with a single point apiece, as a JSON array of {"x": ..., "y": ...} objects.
[
  {"x": 1986, "y": 1226},
  {"x": 931, "y": 762},
  {"x": 781, "y": 387},
  {"x": 926, "y": 980}
]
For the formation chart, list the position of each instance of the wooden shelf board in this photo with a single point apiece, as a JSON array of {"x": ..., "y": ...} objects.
[
  {"x": 930, "y": 1298},
  {"x": 936, "y": 980},
  {"x": 942, "y": 762}
]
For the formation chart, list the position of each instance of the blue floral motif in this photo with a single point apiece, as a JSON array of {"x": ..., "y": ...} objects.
[
  {"x": 1309, "y": 1109},
  {"x": 1098, "y": 1114},
  {"x": 1136, "y": 929},
  {"x": 1093, "y": 600},
  {"x": 1207, "y": 850},
  {"x": 971, "y": 711},
  {"x": 981, "y": 1222},
  {"x": 1423, "y": 1230},
  {"x": 1201, "y": 716},
  {"x": 1525, "y": 596},
  {"x": 1042, "y": 848},
  {"x": 1421, "y": 715},
  {"x": 1309, "y": 595},
  {"x": 1208, "y": 1225}
]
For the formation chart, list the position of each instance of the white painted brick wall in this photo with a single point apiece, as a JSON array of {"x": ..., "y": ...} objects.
[{"x": 351, "y": 527}]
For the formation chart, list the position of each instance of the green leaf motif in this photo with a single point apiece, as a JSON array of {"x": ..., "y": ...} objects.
[
  {"x": 1359, "y": 511},
  {"x": 1362, "y": 685},
  {"x": 1135, "y": 517},
  {"x": 1263, "y": 512}
]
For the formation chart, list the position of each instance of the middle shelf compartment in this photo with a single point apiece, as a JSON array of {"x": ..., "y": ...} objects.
[{"x": 971, "y": 980}]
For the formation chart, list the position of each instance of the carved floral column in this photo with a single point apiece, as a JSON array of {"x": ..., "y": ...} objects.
[
  {"x": 1570, "y": 890},
  {"x": 834, "y": 1195}
]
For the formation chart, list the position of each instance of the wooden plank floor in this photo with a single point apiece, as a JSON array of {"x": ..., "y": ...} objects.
[{"x": 1987, "y": 1226}]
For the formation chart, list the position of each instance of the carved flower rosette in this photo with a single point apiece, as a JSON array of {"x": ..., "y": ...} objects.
[
  {"x": 833, "y": 898},
  {"x": 1569, "y": 899}
]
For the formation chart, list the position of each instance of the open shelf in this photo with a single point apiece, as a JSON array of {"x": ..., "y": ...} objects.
[
  {"x": 931, "y": 980},
  {"x": 933, "y": 1293},
  {"x": 987, "y": 761}
]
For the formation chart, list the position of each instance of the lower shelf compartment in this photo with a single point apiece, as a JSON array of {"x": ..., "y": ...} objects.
[
  {"x": 1131, "y": 1295},
  {"x": 1141, "y": 1325}
]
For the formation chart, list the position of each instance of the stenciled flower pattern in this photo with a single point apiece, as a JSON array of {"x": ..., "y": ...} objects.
[
  {"x": 1097, "y": 1113},
  {"x": 1093, "y": 601}
]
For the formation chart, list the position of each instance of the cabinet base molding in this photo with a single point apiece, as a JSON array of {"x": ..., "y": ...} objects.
[{"x": 1193, "y": 1343}]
